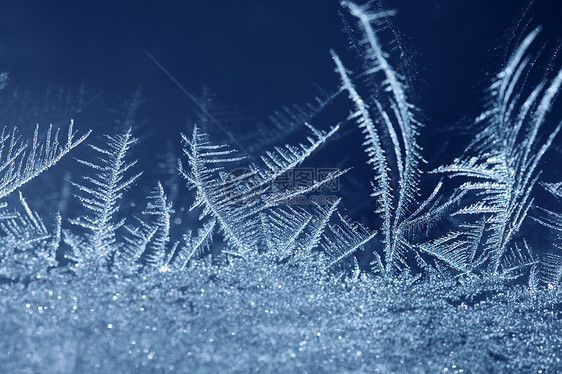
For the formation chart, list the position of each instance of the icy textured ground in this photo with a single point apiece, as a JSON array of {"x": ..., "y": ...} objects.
[{"x": 256, "y": 317}]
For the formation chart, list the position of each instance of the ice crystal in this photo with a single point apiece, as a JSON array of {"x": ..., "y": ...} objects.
[{"x": 250, "y": 279}]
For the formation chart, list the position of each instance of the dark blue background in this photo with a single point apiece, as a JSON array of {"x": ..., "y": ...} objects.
[{"x": 258, "y": 55}]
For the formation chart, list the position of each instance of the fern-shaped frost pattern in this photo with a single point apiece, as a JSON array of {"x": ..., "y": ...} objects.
[
  {"x": 510, "y": 149},
  {"x": 100, "y": 195}
]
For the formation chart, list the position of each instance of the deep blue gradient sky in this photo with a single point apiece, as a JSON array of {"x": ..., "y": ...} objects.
[{"x": 258, "y": 55}]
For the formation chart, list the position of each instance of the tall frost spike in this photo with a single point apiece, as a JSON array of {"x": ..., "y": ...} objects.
[
  {"x": 100, "y": 195},
  {"x": 501, "y": 162},
  {"x": 386, "y": 113}
]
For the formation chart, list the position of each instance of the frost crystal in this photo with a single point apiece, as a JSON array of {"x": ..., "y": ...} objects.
[{"x": 262, "y": 275}]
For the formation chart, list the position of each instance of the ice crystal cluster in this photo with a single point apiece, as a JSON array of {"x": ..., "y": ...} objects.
[{"x": 444, "y": 281}]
